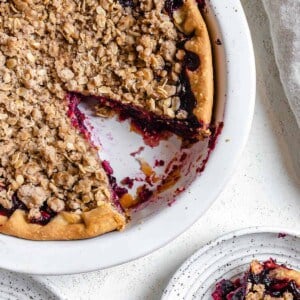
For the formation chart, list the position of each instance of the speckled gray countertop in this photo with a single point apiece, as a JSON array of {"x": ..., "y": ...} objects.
[{"x": 263, "y": 191}]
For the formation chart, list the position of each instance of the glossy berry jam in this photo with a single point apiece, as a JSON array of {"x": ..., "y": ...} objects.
[
  {"x": 226, "y": 288},
  {"x": 171, "y": 5},
  {"x": 149, "y": 124},
  {"x": 144, "y": 194},
  {"x": 127, "y": 181},
  {"x": 191, "y": 61},
  {"x": 201, "y": 4},
  {"x": 46, "y": 215},
  {"x": 16, "y": 204},
  {"x": 76, "y": 116},
  {"x": 126, "y": 3},
  {"x": 117, "y": 191}
]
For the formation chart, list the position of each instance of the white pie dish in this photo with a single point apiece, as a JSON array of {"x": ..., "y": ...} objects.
[{"x": 159, "y": 223}]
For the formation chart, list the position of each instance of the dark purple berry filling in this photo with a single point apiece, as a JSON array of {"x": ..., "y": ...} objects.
[
  {"x": 149, "y": 123},
  {"x": 239, "y": 294},
  {"x": 127, "y": 181},
  {"x": 76, "y": 116},
  {"x": 171, "y": 5},
  {"x": 126, "y": 3},
  {"x": 117, "y": 191},
  {"x": 191, "y": 61},
  {"x": 144, "y": 194},
  {"x": 201, "y": 4},
  {"x": 46, "y": 215},
  {"x": 227, "y": 289},
  {"x": 16, "y": 204}
]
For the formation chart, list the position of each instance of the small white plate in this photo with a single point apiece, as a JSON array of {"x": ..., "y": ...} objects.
[
  {"x": 229, "y": 257},
  {"x": 158, "y": 224},
  {"x": 20, "y": 287}
]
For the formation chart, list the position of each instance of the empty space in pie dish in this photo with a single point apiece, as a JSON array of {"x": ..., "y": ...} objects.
[{"x": 136, "y": 164}]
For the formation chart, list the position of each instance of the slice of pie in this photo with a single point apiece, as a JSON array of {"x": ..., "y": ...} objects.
[
  {"x": 263, "y": 281},
  {"x": 148, "y": 60}
]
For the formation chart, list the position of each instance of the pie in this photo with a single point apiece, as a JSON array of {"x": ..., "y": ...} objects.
[
  {"x": 147, "y": 60},
  {"x": 263, "y": 281}
]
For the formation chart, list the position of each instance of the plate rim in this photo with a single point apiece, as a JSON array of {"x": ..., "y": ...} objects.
[
  {"x": 220, "y": 239},
  {"x": 35, "y": 265}
]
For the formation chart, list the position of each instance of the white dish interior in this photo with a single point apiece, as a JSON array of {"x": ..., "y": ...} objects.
[{"x": 160, "y": 222}]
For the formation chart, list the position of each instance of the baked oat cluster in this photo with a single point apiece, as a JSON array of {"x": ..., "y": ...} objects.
[
  {"x": 93, "y": 47},
  {"x": 258, "y": 292}
]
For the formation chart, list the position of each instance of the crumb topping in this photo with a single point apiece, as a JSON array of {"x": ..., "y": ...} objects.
[{"x": 98, "y": 47}]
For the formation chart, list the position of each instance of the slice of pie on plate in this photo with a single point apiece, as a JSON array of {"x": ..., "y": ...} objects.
[
  {"x": 147, "y": 60},
  {"x": 263, "y": 281}
]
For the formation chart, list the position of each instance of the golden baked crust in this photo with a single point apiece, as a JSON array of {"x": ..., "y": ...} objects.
[
  {"x": 66, "y": 225},
  {"x": 189, "y": 20}
]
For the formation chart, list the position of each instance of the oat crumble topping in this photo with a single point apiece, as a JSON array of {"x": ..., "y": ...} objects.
[
  {"x": 258, "y": 292},
  {"x": 93, "y": 47}
]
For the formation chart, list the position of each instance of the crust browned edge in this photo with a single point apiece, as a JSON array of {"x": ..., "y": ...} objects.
[
  {"x": 188, "y": 19},
  {"x": 66, "y": 225}
]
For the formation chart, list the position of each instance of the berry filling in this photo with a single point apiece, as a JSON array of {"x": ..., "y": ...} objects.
[
  {"x": 126, "y": 3},
  {"x": 171, "y": 5},
  {"x": 117, "y": 191},
  {"x": 16, "y": 204},
  {"x": 76, "y": 116},
  {"x": 228, "y": 290},
  {"x": 46, "y": 213},
  {"x": 150, "y": 125}
]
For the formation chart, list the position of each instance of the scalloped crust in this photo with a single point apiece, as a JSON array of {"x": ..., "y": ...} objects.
[
  {"x": 188, "y": 19},
  {"x": 66, "y": 225}
]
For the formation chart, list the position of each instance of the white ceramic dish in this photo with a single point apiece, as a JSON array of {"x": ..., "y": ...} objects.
[
  {"x": 20, "y": 287},
  {"x": 158, "y": 224},
  {"x": 229, "y": 257}
]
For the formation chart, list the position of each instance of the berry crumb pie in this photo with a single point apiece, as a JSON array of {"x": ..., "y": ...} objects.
[
  {"x": 263, "y": 281},
  {"x": 147, "y": 60}
]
